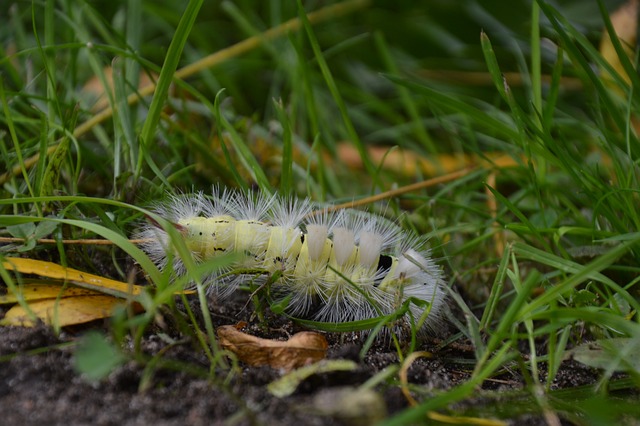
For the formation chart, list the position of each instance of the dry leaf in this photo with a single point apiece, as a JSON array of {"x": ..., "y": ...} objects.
[
  {"x": 464, "y": 420},
  {"x": 625, "y": 24},
  {"x": 95, "y": 89},
  {"x": 44, "y": 289},
  {"x": 350, "y": 406},
  {"x": 63, "y": 312},
  {"x": 301, "y": 349},
  {"x": 609, "y": 354},
  {"x": 79, "y": 278},
  {"x": 408, "y": 163},
  {"x": 58, "y": 305},
  {"x": 287, "y": 384}
]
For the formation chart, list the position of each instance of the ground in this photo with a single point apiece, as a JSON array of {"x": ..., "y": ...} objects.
[{"x": 41, "y": 386}]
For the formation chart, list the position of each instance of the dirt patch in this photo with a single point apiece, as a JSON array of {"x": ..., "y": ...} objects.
[{"x": 38, "y": 384}]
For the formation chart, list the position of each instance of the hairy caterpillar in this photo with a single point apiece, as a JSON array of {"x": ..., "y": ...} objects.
[{"x": 333, "y": 267}]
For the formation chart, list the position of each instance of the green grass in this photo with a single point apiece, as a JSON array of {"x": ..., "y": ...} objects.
[{"x": 283, "y": 104}]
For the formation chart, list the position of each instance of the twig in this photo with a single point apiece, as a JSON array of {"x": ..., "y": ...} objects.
[{"x": 403, "y": 190}]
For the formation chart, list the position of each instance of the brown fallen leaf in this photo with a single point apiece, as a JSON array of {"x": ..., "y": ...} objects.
[{"x": 301, "y": 349}]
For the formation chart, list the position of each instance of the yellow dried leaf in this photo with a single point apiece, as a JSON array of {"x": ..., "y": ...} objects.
[
  {"x": 94, "y": 88},
  {"x": 63, "y": 312},
  {"x": 79, "y": 278},
  {"x": 286, "y": 385},
  {"x": 350, "y": 406},
  {"x": 625, "y": 24},
  {"x": 44, "y": 289},
  {"x": 408, "y": 163},
  {"x": 464, "y": 420},
  {"x": 301, "y": 349}
]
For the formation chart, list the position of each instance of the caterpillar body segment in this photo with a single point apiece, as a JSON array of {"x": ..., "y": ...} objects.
[{"x": 339, "y": 267}]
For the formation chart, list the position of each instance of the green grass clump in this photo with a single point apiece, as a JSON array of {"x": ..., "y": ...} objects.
[{"x": 266, "y": 97}]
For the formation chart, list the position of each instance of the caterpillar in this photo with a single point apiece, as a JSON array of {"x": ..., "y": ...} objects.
[{"x": 331, "y": 267}]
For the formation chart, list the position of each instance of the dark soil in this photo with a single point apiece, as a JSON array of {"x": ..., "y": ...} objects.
[{"x": 38, "y": 383}]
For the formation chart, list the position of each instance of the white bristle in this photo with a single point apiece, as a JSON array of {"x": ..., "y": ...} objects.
[
  {"x": 369, "y": 247},
  {"x": 343, "y": 244},
  {"x": 316, "y": 238},
  {"x": 339, "y": 267}
]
